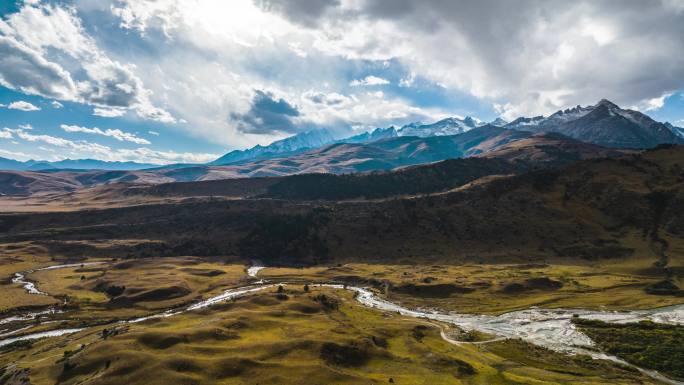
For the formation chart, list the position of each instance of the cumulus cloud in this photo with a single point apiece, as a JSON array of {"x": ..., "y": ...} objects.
[
  {"x": 25, "y": 69},
  {"x": 203, "y": 59},
  {"x": 529, "y": 57},
  {"x": 328, "y": 99},
  {"x": 47, "y": 139},
  {"x": 16, "y": 155},
  {"x": 23, "y": 106},
  {"x": 155, "y": 133},
  {"x": 6, "y": 134},
  {"x": 364, "y": 110},
  {"x": 656, "y": 103},
  {"x": 147, "y": 155},
  {"x": 108, "y": 112},
  {"x": 57, "y": 105},
  {"x": 80, "y": 149},
  {"x": 113, "y": 133},
  {"x": 40, "y": 41},
  {"x": 369, "y": 80}
]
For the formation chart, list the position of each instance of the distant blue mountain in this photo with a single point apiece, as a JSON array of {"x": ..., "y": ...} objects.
[{"x": 71, "y": 164}]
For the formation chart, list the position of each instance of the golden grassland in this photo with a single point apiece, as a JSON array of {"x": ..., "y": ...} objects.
[
  {"x": 149, "y": 285},
  {"x": 295, "y": 339},
  {"x": 482, "y": 288},
  {"x": 153, "y": 284},
  {"x": 299, "y": 340}
]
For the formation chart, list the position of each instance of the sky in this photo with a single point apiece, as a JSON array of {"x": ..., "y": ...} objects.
[{"x": 168, "y": 81}]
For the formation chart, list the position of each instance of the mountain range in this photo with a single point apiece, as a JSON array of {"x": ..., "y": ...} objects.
[
  {"x": 604, "y": 124},
  {"x": 71, "y": 164},
  {"x": 540, "y": 150},
  {"x": 567, "y": 135}
]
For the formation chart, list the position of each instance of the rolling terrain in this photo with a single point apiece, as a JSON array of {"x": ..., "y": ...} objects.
[
  {"x": 540, "y": 222},
  {"x": 517, "y": 242}
]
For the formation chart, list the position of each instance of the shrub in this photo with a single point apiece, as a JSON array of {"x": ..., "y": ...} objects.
[
  {"x": 327, "y": 302},
  {"x": 343, "y": 355}
]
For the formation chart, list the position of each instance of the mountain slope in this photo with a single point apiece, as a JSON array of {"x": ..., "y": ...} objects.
[
  {"x": 549, "y": 149},
  {"x": 604, "y": 124},
  {"x": 679, "y": 131}
]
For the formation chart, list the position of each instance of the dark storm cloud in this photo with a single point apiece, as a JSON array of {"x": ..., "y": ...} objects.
[
  {"x": 267, "y": 115},
  {"x": 305, "y": 12}
]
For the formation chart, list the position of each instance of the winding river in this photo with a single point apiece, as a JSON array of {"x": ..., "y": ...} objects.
[
  {"x": 31, "y": 288},
  {"x": 551, "y": 328}
]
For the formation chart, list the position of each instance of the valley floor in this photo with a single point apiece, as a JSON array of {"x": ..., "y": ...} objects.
[{"x": 321, "y": 335}]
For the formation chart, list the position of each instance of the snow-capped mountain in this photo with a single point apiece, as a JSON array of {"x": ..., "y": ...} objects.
[
  {"x": 679, "y": 131},
  {"x": 372, "y": 136},
  {"x": 296, "y": 143},
  {"x": 444, "y": 127},
  {"x": 499, "y": 122},
  {"x": 604, "y": 124}
]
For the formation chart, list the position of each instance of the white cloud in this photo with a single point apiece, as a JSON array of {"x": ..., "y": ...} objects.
[
  {"x": 83, "y": 149},
  {"x": 534, "y": 57},
  {"x": 146, "y": 155},
  {"x": 23, "y": 106},
  {"x": 108, "y": 112},
  {"x": 408, "y": 80},
  {"x": 55, "y": 104},
  {"x": 39, "y": 43},
  {"x": 48, "y": 139},
  {"x": 369, "y": 80},
  {"x": 656, "y": 103},
  {"x": 363, "y": 110},
  {"x": 113, "y": 133},
  {"x": 5, "y": 134},
  {"x": 211, "y": 56},
  {"x": 18, "y": 155},
  {"x": 155, "y": 133}
]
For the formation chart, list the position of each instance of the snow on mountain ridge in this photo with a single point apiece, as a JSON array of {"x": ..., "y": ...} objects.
[{"x": 444, "y": 127}]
